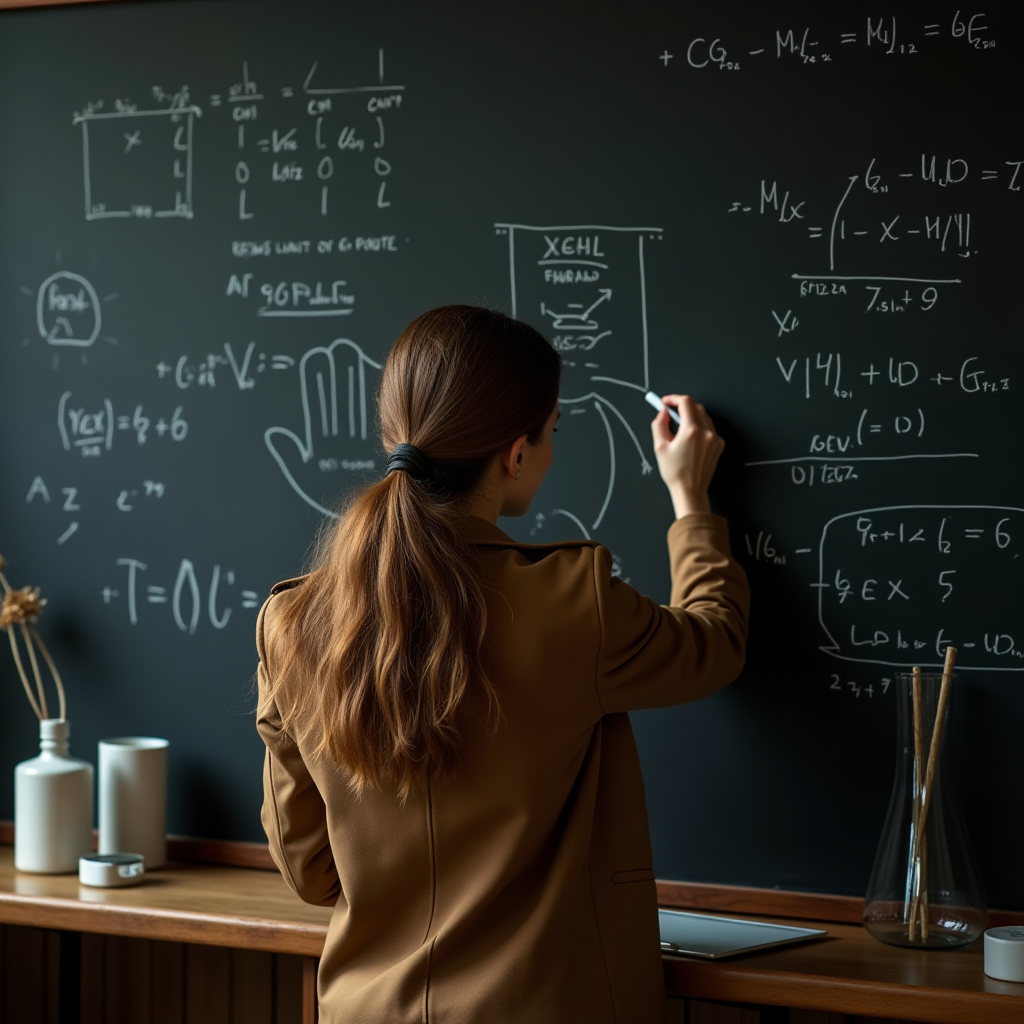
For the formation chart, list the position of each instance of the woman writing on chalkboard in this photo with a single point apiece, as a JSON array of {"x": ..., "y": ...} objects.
[{"x": 449, "y": 760}]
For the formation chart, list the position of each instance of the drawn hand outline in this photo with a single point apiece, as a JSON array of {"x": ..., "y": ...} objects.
[{"x": 318, "y": 381}]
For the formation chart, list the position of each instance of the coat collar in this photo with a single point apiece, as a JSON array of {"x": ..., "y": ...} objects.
[{"x": 481, "y": 532}]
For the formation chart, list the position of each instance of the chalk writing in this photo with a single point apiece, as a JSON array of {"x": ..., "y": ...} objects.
[
  {"x": 92, "y": 430},
  {"x": 898, "y": 584},
  {"x": 808, "y": 46},
  {"x": 192, "y": 598}
]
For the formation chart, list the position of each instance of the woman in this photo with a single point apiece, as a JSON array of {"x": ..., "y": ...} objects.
[{"x": 449, "y": 760}]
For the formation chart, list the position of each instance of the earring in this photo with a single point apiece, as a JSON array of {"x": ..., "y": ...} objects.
[{"x": 518, "y": 471}]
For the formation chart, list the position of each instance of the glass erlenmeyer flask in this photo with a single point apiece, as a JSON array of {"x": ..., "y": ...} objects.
[{"x": 924, "y": 890}]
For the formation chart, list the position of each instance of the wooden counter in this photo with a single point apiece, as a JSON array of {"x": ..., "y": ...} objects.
[
  {"x": 200, "y": 903},
  {"x": 849, "y": 972}
]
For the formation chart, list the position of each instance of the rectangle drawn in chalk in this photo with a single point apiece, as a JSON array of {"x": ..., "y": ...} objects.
[{"x": 137, "y": 163}]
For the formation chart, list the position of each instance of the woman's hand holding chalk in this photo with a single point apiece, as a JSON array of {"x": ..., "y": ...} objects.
[
  {"x": 652, "y": 399},
  {"x": 686, "y": 459}
]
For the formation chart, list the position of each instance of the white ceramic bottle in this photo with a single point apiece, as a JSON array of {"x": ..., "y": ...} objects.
[{"x": 52, "y": 805}]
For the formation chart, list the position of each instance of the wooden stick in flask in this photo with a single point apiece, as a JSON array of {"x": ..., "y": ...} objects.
[
  {"x": 933, "y": 750},
  {"x": 922, "y": 899},
  {"x": 918, "y": 785},
  {"x": 933, "y": 765},
  {"x": 918, "y": 739}
]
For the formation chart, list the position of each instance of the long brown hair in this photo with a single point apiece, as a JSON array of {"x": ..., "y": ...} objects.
[{"x": 385, "y": 636}]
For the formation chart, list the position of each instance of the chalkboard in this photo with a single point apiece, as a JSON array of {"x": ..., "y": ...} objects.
[{"x": 216, "y": 217}]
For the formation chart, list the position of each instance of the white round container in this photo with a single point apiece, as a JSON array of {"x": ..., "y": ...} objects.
[
  {"x": 52, "y": 805},
  {"x": 111, "y": 870},
  {"x": 1004, "y": 953},
  {"x": 133, "y": 797}
]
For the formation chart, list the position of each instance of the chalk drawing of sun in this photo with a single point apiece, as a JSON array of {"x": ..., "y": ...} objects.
[{"x": 69, "y": 313}]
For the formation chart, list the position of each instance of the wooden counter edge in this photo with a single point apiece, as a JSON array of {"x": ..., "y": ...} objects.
[
  {"x": 163, "y": 924},
  {"x": 733, "y": 981},
  {"x": 706, "y": 897},
  {"x": 738, "y": 984},
  {"x": 16, "y": 4}
]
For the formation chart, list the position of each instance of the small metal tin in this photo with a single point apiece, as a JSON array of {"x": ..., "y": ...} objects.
[
  {"x": 109, "y": 870},
  {"x": 1004, "y": 953}
]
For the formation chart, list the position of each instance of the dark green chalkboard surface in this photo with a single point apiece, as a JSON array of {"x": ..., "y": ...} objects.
[{"x": 215, "y": 218}]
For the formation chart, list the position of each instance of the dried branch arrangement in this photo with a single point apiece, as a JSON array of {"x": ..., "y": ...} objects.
[{"x": 19, "y": 611}]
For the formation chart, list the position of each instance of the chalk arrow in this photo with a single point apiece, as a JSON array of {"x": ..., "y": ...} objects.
[{"x": 604, "y": 293}]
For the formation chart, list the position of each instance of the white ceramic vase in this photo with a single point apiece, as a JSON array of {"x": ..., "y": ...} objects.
[{"x": 52, "y": 805}]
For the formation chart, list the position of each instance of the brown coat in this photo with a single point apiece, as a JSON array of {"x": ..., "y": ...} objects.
[{"x": 522, "y": 890}]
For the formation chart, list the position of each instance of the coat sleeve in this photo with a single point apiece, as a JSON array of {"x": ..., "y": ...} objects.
[
  {"x": 294, "y": 815},
  {"x": 654, "y": 655}
]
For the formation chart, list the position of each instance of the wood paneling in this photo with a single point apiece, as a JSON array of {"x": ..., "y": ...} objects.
[
  {"x": 167, "y": 982},
  {"x": 309, "y": 1000},
  {"x": 208, "y": 987},
  {"x": 24, "y": 980},
  {"x": 288, "y": 995},
  {"x": 252, "y": 987},
  {"x": 94, "y": 978},
  {"x": 51, "y": 972},
  {"x": 139, "y": 981},
  {"x": 715, "y": 1013},
  {"x": 127, "y": 981}
]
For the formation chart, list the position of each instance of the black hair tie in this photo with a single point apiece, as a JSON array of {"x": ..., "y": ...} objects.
[{"x": 413, "y": 461}]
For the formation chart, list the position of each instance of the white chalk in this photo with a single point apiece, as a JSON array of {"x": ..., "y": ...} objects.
[{"x": 653, "y": 399}]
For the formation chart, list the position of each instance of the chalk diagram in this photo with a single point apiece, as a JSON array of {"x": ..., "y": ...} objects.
[
  {"x": 897, "y": 584},
  {"x": 68, "y": 313},
  {"x": 336, "y": 432},
  {"x": 584, "y": 287},
  {"x": 138, "y": 163}
]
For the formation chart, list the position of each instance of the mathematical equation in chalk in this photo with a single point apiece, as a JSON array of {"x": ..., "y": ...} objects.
[
  {"x": 823, "y": 372},
  {"x": 866, "y": 223},
  {"x": 807, "y": 45},
  {"x": 896, "y": 585},
  {"x": 73, "y": 500},
  {"x": 897, "y": 432},
  {"x": 192, "y": 598},
  {"x": 876, "y": 243},
  {"x": 140, "y": 159},
  {"x": 92, "y": 430},
  {"x": 240, "y": 368},
  {"x": 875, "y": 298},
  {"x": 346, "y": 123}
]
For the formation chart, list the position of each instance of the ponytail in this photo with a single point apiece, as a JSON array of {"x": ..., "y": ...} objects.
[{"x": 385, "y": 638}]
